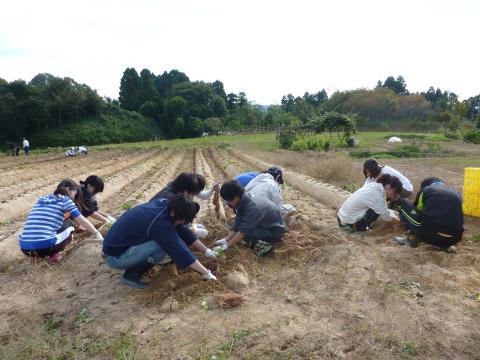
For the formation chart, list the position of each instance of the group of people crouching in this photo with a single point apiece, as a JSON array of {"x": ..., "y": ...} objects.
[
  {"x": 435, "y": 217},
  {"x": 161, "y": 230}
]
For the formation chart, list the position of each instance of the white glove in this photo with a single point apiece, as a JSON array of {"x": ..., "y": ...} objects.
[
  {"x": 201, "y": 233},
  {"x": 209, "y": 253},
  {"x": 99, "y": 236},
  {"x": 209, "y": 276},
  {"x": 111, "y": 219},
  {"x": 222, "y": 242}
]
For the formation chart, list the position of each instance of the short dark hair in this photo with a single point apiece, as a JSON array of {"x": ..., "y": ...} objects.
[
  {"x": 183, "y": 208},
  {"x": 201, "y": 182},
  {"x": 371, "y": 166},
  {"x": 231, "y": 189},
  {"x": 94, "y": 181},
  {"x": 277, "y": 173},
  {"x": 430, "y": 181},
  {"x": 186, "y": 182},
  {"x": 393, "y": 181}
]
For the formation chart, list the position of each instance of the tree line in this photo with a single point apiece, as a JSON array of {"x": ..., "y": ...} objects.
[
  {"x": 175, "y": 107},
  {"x": 389, "y": 105},
  {"x": 184, "y": 108}
]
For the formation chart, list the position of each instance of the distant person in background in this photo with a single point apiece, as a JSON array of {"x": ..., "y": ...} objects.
[
  {"x": 372, "y": 171},
  {"x": 26, "y": 146},
  {"x": 91, "y": 187},
  {"x": 369, "y": 203},
  {"x": 81, "y": 150},
  {"x": 46, "y": 232},
  {"x": 70, "y": 152},
  {"x": 436, "y": 216},
  {"x": 14, "y": 149}
]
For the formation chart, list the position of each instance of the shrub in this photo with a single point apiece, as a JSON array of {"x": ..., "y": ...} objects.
[
  {"x": 472, "y": 136},
  {"x": 452, "y": 134},
  {"x": 286, "y": 138}
]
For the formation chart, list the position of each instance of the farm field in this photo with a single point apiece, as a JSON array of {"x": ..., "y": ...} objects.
[{"x": 323, "y": 293}]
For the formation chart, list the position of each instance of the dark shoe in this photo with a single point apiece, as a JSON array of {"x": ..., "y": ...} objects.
[
  {"x": 137, "y": 284},
  {"x": 250, "y": 243},
  {"x": 408, "y": 239},
  {"x": 262, "y": 248}
]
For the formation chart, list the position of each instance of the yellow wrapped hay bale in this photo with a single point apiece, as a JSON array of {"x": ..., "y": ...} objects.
[{"x": 471, "y": 192}]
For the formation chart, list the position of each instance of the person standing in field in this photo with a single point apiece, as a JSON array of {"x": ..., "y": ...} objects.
[
  {"x": 369, "y": 203},
  {"x": 436, "y": 216},
  {"x": 91, "y": 187},
  {"x": 46, "y": 232},
  {"x": 144, "y": 236},
  {"x": 14, "y": 149},
  {"x": 26, "y": 146},
  {"x": 258, "y": 221},
  {"x": 372, "y": 171}
]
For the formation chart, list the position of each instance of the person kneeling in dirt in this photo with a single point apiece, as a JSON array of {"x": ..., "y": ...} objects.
[
  {"x": 46, "y": 232},
  {"x": 245, "y": 178},
  {"x": 144, "y": 235},
  {"x": 258, "y": 221},
  {"x": 70, "y": 152},
  {"x": 192, "y": 185},
  {"x": 373, "y": 171},
  {"x": 436, "y": 216},
  {"x": 14, "y": 149},
  {"x": 90, "y": 187},
  {"x": 369, "y": 203}
]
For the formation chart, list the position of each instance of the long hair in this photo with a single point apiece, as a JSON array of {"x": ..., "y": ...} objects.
[
  {"x": 72, "y": 185},
  {"x": 371, "y": 167},
  {"x": 393, "y": 181}
]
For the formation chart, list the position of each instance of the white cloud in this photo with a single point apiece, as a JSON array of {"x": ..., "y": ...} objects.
[{"x": 265, "y": 48}]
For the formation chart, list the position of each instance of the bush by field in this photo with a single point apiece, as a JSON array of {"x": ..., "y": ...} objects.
[{"x": 472, "y": 136}]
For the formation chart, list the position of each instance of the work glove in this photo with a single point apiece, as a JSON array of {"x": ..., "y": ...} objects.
[
  {"x": 222, "y": 242},
  {"x": 200, "y": 231},
  {"x": 111, "y": 219},
  {"x": 99, "y": 236},
  {"x": 210, "y": 254},
  {"x": 209, "y": 276}
]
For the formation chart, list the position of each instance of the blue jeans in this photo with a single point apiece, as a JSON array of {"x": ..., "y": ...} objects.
[{"x": 134, "y": 255}]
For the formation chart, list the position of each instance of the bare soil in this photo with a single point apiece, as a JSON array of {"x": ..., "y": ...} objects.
[{"x": 322, "y": 294}]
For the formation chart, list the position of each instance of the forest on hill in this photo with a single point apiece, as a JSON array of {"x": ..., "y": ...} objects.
[{"x": 56, "y": 111}]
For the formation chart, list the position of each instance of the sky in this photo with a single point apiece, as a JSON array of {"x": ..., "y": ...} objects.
[{"x": 264, "y": 48}]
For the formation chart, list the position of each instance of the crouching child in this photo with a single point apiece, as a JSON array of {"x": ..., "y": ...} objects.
[
  {"x": 146, "y": 234},
  {"x": 258, "y": 221}
]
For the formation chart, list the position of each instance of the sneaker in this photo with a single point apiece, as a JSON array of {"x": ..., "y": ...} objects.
[
  {"x": 405, "y": 240},
  {"x": 452, "y": 249},
  {"x": 250, "y": 243},
  {"x": 134, "y": 284},
  {"x": 262, "y": 248}
]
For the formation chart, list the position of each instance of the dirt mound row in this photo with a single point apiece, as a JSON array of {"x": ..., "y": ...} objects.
[
  {"x": 23, "y": 173},
  {"x": 327, "y": 194},
  {"x": 24, "y": 202}
]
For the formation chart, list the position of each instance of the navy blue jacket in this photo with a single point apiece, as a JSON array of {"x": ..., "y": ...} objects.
[{"x": 149, "y": 221}]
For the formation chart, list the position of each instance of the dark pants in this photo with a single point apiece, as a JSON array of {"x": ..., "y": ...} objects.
[
  {"x": 272, "y": 235},
  {"x": 54, "y": 248},
  {"x": 27, "y": 150},
  {"x": 424, "y": 230}
]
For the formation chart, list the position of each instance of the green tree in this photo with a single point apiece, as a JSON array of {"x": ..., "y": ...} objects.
[
  {"x": 130, "y": 90},
  {"x": 398, "y": 86},
  {"x": 213, "y": 124},
  {"x": 218, "y": 90},
  {"x": 173, "y": 111},
  {"x": 219, "y": 108},
  {"x": 148, "y": 90}
]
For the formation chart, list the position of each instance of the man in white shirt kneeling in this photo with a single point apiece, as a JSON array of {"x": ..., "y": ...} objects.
[{"x": 369, "y": 203}]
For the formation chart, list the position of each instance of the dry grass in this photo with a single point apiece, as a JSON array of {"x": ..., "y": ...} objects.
[{"x": 328, "y": 167}]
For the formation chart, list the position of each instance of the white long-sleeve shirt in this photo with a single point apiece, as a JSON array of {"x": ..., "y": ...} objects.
[
  {"x": 263, "y": 185},
  {"x": 407, "y": 185},
  {"x": 25, "y": 143},
  {"x": 371, "y": 196},
  {"x": 205, "y": 195}
]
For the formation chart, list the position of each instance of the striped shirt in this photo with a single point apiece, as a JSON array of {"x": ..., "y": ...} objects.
[{"x": 45, "y": 219}]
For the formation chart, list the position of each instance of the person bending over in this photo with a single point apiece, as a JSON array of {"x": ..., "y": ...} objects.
[
  {"x": 369, "y": 203},
  {"x": 91, "y": 187},
  {"x": 192, "y": 185},
  {"x": 266, "y": 185},
  {"x": 144, "y": 235},
  {"x": 258, "y": 221},
  {"x": 245, "y": 178},
  {"x": 372, "y": 171},
  {"x": 436, "y": 216},
  {"x": 46, "y": 232}
]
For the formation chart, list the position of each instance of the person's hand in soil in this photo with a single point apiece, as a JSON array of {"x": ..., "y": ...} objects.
[{"x": 210, "y": 254}]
